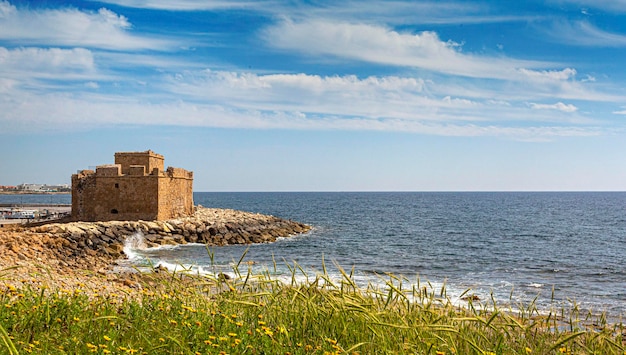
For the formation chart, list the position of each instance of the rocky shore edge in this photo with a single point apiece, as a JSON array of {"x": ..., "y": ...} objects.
[{"x": 73, "y": 253}]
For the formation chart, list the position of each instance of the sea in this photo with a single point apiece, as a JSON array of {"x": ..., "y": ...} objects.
[{"x": 550, "y": 249}]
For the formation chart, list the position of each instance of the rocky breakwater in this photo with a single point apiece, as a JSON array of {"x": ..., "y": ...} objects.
[{"x": 105, "y": 240}]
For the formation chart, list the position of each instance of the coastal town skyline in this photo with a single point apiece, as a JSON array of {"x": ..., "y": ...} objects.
[{"x": 319, "y": 96}]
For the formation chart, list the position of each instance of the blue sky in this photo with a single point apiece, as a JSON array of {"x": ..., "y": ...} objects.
[{"x": 319, "y": 95}]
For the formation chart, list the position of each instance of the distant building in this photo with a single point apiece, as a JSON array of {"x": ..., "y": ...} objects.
[
  {"x": 30, "y": 187},
  {"x": 56, "y": 188},
  {"x": 136, "y": 187}
]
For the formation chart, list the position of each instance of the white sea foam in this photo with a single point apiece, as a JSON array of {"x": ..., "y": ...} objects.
[
  {"x": 297, "y": 237},
  {"x": 132, "y": 243}
]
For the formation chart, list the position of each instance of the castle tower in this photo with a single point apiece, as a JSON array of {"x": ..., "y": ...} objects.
[{"x": 136, "y": 187}]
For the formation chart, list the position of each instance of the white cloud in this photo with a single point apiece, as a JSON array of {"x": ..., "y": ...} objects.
[
  {"x": 334, "y": 95},
  {"x": 287, "y": 101},
  {"x": 583, "y": 33},
  {"x": 589, "y": 78},
  {"x": 375, "y": 98},
  {"x": 92, "y": 85},
  {"x": 71, "y": 27},
  {"x": 390, "y": 12},
  {"x": 606, "y": 5},
  {"x": 518, "y": 79},
  {"x": 6, "y": 9},
  {"x": 54, "y": 111},
  {"x": 7, "y": 85},
  {"x": 559, "y": 106},
  {"x": 549, "y": 75},
  {"x": 24, "y": 63},
  {"x": 50, "y": 58},
  {"x": 381, "y": 45},
  {"x": 189, "y": 5},
  {"x": 401, "y": 12}
]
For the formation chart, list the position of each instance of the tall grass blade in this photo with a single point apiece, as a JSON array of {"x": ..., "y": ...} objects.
[{"x": 8, "y": 343}]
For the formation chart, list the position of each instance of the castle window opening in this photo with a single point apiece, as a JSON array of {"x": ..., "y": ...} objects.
[
  {"x": 114, "y": 211},
  {"x": 117, "y": 186}
]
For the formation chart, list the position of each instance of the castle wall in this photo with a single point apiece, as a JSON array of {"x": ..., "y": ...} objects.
[
  {"x": 83, "y": 193},
  {"x": 126, "y": 197},
  {"x": 135, "y": 188},
  {"x": 175, "y": 194}
]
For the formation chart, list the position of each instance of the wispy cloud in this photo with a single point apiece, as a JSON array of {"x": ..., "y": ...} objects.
[
  {"x": 400, "y": 12},
  {"x": 378, "y": 44},
  {"x": 390, "y": 12},
  {"x": 606, "y": 5},
  {"x": 583, "y": 33},
  {"x": 41, "y": 61},
  {"x": 74, "y": 28},
  {"x": 426, "y": 51},
  {"x": 559, "y": 106},
  {"x": 190, "y": 5},
  {"x": 55, "y": 111},
  {"x": 91, "y": 68},
  {"x": 372, "y": 97},
  {"x": 545, "y": 76},
  {"x": 290, "y": 101}
]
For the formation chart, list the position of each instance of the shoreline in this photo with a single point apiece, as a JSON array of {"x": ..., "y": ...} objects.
[
  {"x": 35, "y": 193},
  {"x": 85, "y": 255}
]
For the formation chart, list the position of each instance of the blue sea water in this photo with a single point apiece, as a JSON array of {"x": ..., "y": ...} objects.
[{"x": 562, "y": 248}]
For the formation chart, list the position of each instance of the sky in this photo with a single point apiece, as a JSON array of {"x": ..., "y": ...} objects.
[{"x": 319, "y": 95}]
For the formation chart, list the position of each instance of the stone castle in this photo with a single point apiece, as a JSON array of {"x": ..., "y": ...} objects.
[{"x": 136, "y": 187}]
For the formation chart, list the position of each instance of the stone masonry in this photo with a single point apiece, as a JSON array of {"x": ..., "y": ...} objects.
[{"x": 136, "y": 187}]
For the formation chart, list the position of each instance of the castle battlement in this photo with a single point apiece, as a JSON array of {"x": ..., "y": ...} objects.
[
  {"x": 136, "y": 187},
  {"x": 178, "y": 173},
  {"x": 109, "y": 170}
]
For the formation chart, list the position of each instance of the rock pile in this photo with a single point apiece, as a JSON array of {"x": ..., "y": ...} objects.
[
  {"x": 80, "y": 255},
  {"x": 78, "y": 244},
  {"x": 209, "y": 226}
]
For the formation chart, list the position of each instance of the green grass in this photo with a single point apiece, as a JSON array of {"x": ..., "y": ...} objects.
[{"x": 255, "y": 314}]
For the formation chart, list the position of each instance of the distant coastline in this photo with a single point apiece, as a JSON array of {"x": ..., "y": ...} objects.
[{"x": 34, "y": 193}]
